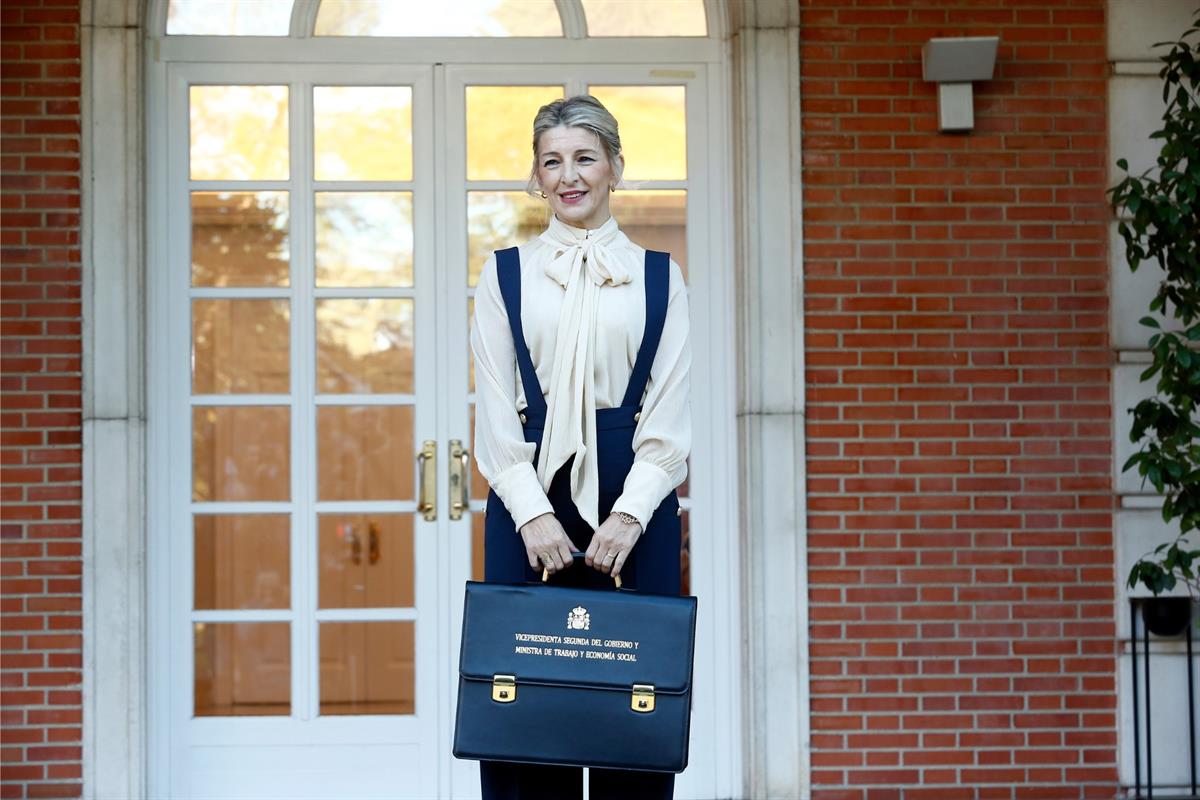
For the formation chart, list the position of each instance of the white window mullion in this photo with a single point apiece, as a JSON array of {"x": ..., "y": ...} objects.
[{"x": 305, "y": 658}]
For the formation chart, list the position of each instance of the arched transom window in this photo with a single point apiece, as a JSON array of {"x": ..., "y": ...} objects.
[{"x": 573, "y": 19}]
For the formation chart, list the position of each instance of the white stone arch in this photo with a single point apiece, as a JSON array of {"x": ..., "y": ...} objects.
[{"x": 761, "y": 39}]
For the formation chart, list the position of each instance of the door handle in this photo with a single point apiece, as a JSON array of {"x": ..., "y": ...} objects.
[
  {"x": 460, "y": 461},
  {"x": 427, "y": 476}
]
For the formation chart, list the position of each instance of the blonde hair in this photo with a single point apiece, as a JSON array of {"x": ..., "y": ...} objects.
[{"x": 580, "y": 111}]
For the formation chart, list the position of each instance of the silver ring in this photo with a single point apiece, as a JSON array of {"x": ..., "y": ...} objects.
[
  {"x": 607, "y": 557},
  {"x": 544, "y": 557}
]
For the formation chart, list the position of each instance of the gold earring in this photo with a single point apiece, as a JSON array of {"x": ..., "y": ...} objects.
[
  {"x": 543, "y": 195},
  {"x": 612, "y": 188}
]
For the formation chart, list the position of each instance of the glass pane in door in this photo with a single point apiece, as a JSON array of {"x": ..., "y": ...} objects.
[
  {"x": 240, "y": 239},
  {"x": 242, "y": 561},
  {"x": 239, "y": 133},
  {"x": 653, "y": 123},
  {"x": 365, "y": 453},
  {"x": 500, "y": 129},
  {"x": 362, "y": 133},
  {"x": 241, "y": 453},
  {"x": 242, "y": 669},
  {"x": 368, "y": 668},
  {"x": 364, "y": 238},
  {"x": 240, "y": 345},
  {"x": 365, "y": 561},
  {"x": 365, "y": 346}
]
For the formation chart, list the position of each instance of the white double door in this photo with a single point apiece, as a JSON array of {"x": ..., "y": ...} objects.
[{"x": 312, "y": 405}]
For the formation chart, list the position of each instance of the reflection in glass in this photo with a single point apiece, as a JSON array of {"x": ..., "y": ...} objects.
[
  {"x": 479, "y": 485},
  {"x": 654, "y": 219},
  {"x": 229, "y": 17},
  {"x": 367, "y": 668},
  {"x": 364, "y": 238},
  {"x": 496, "y": 220},
  {"x": 240, "y": 452},
  {"x": 499, "y": 138},
  {"x": 241, "y": 561},
  {"x": 239, "y": 132},
  {"x": 685, "y": 555},
  {"x": 449, "y": 18},
  {"x": 242, "y": 669},
  {"x": 365, "y": 346},
  {"x": 239, "y": 346},
  {"x": 362, "y": 133},
  {"x": 365, "y": 453},
  {"x": 477, "y": 549},
  {"x": 240, "y": 239},
  {"x": 645, "y": 18},
  {"x": 365, "y": 560},
  {"x": 653, "y": 129}
]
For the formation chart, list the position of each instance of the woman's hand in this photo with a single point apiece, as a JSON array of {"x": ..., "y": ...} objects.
[
  {"x": 611, "y": 544},
  {"x": 544, "y": 536}
]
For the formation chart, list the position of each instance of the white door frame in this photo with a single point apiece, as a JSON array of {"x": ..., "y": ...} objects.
[
  {"x": 757, "y": 51},
  {"x": 169, "y": 483},
  {"x": 714, "y": 721}
]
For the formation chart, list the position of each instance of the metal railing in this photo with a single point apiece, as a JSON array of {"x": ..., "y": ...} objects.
[{"x": 1166, "y": 617}]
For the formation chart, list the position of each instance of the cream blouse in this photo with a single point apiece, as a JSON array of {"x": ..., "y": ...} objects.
[{"x": 583, "y": 304}]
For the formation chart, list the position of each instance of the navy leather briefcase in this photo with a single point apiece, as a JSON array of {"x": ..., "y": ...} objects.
[{"x": 573, "y": 676}]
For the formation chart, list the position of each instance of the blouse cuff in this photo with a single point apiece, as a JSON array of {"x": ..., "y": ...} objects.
[
  {"x": 646, "y": 486},
  {"x": 522, "y": 493}
]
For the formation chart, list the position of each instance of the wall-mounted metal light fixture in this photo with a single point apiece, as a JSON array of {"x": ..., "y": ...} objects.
[{"x": 954, "y": 63}]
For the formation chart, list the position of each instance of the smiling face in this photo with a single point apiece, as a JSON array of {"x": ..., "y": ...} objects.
[{"x": 574, "y": 171}]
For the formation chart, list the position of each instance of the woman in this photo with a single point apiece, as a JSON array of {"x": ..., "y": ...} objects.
[{"x": 582, "y": 424}]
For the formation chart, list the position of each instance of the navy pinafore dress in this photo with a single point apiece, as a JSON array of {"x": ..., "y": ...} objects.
[{"x": 652, "y": 566}]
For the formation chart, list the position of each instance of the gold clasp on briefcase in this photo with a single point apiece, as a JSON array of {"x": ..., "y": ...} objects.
[
  {"x": 643, "y": 697},
  {"x": 504, "y": 688}
]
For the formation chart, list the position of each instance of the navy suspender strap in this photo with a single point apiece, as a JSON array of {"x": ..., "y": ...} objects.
[
  {"x": 658, "y": 281},
  {"x": 508, "y": 273}
]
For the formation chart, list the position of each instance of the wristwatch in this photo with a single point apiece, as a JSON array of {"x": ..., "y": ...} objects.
[{"x": 628, "y": 519}]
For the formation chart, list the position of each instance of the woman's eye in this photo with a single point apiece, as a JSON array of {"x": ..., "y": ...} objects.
[
  {"x": 550, "y": 163},
  {"x": 585, "y": 158}
]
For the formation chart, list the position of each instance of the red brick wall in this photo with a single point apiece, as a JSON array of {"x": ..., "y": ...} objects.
[
  {"x": 960, "y": 530},
  {"x": 40, "y": 410}
]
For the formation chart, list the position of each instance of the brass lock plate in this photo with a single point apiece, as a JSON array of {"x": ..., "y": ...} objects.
[
  {"x": 642, "y": 699},
  {"x": 504, "y": 688}
]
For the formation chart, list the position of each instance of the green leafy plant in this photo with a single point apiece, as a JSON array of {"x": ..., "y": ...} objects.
[{"x": 1161, "y": 223}]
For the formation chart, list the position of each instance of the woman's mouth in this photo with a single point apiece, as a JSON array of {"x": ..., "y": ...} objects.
[{"x": 571, "y": 198}]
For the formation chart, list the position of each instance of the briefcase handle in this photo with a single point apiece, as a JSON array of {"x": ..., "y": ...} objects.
[{"x": 576, "y": 555}]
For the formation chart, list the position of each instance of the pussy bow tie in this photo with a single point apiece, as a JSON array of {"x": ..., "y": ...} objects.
[
  {"x": 582, "y": 264},
  {"x": 589, "y": 249}
]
